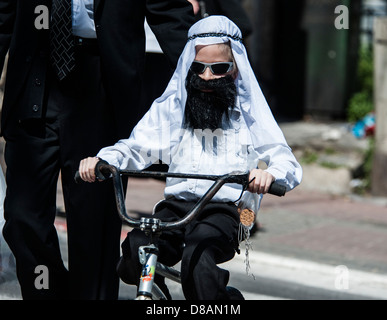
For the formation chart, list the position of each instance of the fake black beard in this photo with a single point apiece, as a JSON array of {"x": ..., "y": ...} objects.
[{"x": 205, "y": 110}]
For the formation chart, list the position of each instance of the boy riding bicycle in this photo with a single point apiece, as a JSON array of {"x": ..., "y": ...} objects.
[{"x": 211, "y": 119}]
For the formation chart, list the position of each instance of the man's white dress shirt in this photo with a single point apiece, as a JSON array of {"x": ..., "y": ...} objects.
[{"x": 83, "y": 19}]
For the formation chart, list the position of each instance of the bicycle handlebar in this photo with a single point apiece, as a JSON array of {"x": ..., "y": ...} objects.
[{"x": 104, "y": 171}]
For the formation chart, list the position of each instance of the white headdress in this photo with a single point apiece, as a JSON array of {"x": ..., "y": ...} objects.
[{"x": 252, "y": 104}]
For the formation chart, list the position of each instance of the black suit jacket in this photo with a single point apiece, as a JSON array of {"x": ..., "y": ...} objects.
[{"x": 121, "y": 40}]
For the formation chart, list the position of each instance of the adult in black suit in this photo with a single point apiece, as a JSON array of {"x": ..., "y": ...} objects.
[{"x": 50, "y": 125}]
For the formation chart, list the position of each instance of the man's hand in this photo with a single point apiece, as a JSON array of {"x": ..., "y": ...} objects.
[
  {"x": 262, "y": 181},
  {"x": 195, "y": 6},
  {"x": 87, "y": 169}
]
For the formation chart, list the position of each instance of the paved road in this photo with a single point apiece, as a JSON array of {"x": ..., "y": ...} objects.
[
  {"x": 312, "y": 246},
  {"x": 274, "y": 277}
]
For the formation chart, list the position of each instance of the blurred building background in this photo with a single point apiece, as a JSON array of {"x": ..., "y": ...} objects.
[
  {"x": 308, "y": 69},
  {"x": 305, "y": 65}
]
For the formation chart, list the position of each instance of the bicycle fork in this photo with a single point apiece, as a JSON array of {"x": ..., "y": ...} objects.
[
  {"x": 148, "y": 289},
  {"x": 148, "y": 258}
]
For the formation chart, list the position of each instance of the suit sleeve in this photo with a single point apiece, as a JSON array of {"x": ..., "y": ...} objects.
[
  {"x": 170, "y": 21},
  {"x": 7, "y": 19}
]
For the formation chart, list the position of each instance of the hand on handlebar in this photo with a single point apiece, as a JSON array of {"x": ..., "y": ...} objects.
[
  {"x": 87, "y": 169},
  {"x": 262, "y": 181}
]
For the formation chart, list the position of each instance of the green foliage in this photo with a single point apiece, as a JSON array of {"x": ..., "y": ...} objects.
[
  {"x": 309, "y": 157},
  {"x": 361, "y": 102},
  {"x": 359, "y": 106},
  {"x": 366, "y": 70}
]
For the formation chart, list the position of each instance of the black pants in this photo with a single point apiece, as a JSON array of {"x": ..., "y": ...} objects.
[
  {"x": 77, "y": 124},
  {"x": 204, "y": 243}
]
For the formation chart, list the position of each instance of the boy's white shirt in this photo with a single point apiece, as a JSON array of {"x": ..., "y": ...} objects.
[
  {"x": 252, "y": 136},
  {"x": 205, "y": 152}
]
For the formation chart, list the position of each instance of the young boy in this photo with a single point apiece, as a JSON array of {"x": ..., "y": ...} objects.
[{"x": 211, "y": 119}]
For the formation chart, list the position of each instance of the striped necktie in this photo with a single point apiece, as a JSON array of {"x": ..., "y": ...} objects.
[{"x": 61, "y": 38}]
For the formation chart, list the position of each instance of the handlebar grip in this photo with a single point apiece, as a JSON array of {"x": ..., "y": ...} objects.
[
  {"x": 277, "y": 189},
  {"x": 77, "y": 178},
  {"x": 100, "y": 173}
]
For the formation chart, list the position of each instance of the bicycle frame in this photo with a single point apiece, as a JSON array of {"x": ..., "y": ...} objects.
[
  {"x": 148, "y": 255},
  {"x": 152, "y": 227}
]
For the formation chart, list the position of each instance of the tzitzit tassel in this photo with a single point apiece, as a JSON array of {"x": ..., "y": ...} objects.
[{"x": 244, "y": 235}]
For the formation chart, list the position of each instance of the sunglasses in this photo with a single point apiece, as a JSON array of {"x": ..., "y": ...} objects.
[{"x": 217, "y": 68}]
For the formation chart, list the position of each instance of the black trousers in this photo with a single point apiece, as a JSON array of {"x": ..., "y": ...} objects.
[
  {"x": 209, "y": 240},
  {"x": 77, "y": 123}
]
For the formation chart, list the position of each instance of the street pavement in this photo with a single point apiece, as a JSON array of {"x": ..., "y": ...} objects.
[
  {"x": 311, "y": 244},
  {"x": 334, "y": 244}
]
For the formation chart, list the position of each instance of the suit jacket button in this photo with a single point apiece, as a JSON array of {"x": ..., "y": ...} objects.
[
  {"x": 35, "y": 108},
  {"x": 38, "y": 82}
]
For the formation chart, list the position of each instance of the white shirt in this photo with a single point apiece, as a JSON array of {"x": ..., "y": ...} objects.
[
  {"x": 83, "y": 19},
  {"x": 204, "y": 152},
  {"x": 151, "y": 44},
  {"x": 254, "y": 134}
]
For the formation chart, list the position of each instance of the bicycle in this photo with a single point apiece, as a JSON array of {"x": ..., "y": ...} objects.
[{"x": 153, "y": 227}]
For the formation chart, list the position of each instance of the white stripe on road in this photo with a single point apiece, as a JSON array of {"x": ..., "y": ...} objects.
[
  {"x": 6, "y": 297},
  {"x": 344, "y": 279},
  {"x": 312, "y": 274}
]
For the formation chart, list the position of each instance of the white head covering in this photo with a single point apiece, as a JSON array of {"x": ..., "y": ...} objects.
[
  {"x": 252, "y": 104},
  {"x": 159, "y": 134}
]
